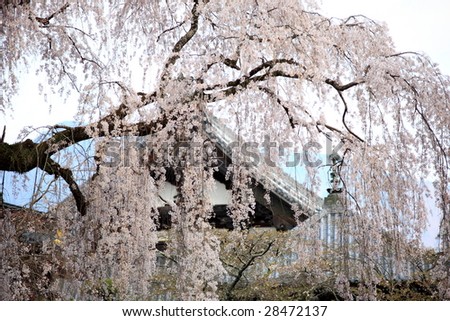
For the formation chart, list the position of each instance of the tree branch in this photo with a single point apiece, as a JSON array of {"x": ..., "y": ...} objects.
[
  {"x": 245, "y": 80},
  {"x": 345, "y": 113},
  {"x": 293, "y": 122},
  {"x": 170, "y": 29},
  {"x": 53, "y": 168},
  {"x": 46, "y": 21},
  {"x": 24, "y": 156},
  {"x": 246, "y": 265},
  {"x": 2, "y": 139},
  {"x": 231, "y": 87},
  {"x": 27, "y": 155},
  {"x": 425, "y": 120},
  {"x": 340, "y": 87},
  {"x": 184, "y": 39},
  {"x": 286, "y": 109}
]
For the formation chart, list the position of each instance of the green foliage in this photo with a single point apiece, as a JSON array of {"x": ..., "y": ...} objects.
[{"x": 105, "y": 290}]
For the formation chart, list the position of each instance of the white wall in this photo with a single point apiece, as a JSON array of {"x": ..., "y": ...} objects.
[{"x": 220, "y": 195}]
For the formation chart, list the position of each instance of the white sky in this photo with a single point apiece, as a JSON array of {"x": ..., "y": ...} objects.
[{"x": 415, "y": 25}]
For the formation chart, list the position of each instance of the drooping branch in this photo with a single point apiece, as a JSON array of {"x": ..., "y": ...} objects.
[
  {"x": 286, "y": 109},
  {"x": 27, "y": 155},
  {"x": 80, "y": 54},
  {"x": 343, "y": 118},
  {"x": 339, "y": 91},
  {"x": 170, "y": 29},
  {"x": 24, "y": 156},
  {"x": 293, "y": 122},
  {"x": 425, "y": 120},
  {"x": 53, "y": 168}
]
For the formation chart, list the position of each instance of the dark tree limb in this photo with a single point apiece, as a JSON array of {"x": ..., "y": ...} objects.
[
  {"x": 245, "y": 266},
  {"x": 293, "y": 122},
  {"x": 183, "y": 40},
  {"x": 425, "y": 120},
  {"x": 255, "y": 75},
  {"x": 286, "y": 109},
  {"x": 53, "y": 168},
  {"x": 27, "y": 155},
  {"x": 245, "y": 80},
  {"x": 339, "y": 87},
  {"x": 2, "y": 139},
  {"x": 232, "y": 63},
  {"x": 343, "y": 118},
  {"x": 346, "y": 110},
  {"x": 170, "y": 29},
  {"x": 46, "y": 21},
  {"x": 24, "y": 156}
]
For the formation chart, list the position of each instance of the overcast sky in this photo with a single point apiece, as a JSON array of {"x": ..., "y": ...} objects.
[{"x": 415, "y": 25}]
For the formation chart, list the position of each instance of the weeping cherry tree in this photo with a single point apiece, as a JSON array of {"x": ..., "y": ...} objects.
[{"x": 278, "y": 69}]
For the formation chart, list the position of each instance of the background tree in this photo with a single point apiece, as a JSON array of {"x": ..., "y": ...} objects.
[{"x": 155, "y": 69}]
